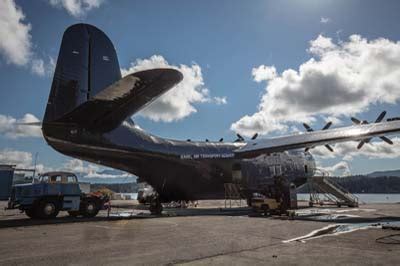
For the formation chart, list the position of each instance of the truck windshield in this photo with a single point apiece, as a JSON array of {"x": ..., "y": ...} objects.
[
  {"x": 55, "y": 179},
  {"x": 71, "y": 179},
  {"x": 43, "y": 178}
]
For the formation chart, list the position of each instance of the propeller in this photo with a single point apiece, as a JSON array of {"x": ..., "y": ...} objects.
[
  {"x": 38, "y": 124},
  {"x": 309, "y": 129},
  {"x": 364, "y": 122},
  {"x": 239, "y": 138}
]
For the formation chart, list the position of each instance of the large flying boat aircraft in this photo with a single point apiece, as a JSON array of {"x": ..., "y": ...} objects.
[{"x": 88, "y": 117}]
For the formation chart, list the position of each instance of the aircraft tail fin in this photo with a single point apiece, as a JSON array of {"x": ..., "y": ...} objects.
[
  {"x": 87, "y": 63},
  {"x": 87, "y": 89}
]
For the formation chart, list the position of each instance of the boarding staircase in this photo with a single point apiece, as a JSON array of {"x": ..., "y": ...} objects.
[
  {"x": 233, "y": 194},
  {"x": 330, "y": 190}
]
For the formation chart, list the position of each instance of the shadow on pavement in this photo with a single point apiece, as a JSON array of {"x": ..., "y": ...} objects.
[{"x": 23, "y": 221}]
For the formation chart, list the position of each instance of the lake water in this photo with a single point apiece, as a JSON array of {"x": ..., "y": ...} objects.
[{"x": 364, "y": 198}]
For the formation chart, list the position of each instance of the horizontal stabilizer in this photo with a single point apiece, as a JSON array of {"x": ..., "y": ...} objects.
[{"x": 111, "y": 106}]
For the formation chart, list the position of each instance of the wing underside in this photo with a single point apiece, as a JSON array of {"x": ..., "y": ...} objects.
[
  {"x": 109, "y": 107},
  {"x": 323, "y": 137}
]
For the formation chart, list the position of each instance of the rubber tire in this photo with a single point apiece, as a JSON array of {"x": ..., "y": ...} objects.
[
  {"x": 249, "y": 202},
  {"x": 31, "y": 213},
  {"x": 265, "y": 210},
  {"x": 85, "y": 208},
  {"x": 42, "y": 205}
]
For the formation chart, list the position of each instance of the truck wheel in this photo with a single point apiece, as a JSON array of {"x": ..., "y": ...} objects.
[
  {"x": 265, "y": 210},
  {"x": 89, "y": 208},
  {"x": 31, "y": 213},
  {"x": 48, "y": 209}
]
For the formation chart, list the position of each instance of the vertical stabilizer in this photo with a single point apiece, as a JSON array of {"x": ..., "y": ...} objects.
[{"x": 86, "y": 64}]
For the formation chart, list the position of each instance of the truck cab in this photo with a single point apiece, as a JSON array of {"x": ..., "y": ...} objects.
[{"x": 52, "y": 192}]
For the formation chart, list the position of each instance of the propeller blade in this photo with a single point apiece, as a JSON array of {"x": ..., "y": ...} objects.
[
  {"x": 221, "y": 139},
  {"x": 307, "y": 127},
  {"x": 360, "y": 144},
  {"x": 385, "y": 139},
  {"x": 254, "y": 136},
  {"x": 240, "y": 138},
  {"x": 38, "y": 124},
  {"x": 329, "y": 148},
  {"x": 380, "y": 117},
  {"x": 355, "y": 121},
  {"x": 327, "y": 126}
]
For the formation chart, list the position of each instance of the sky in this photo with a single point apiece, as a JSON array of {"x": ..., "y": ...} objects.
[{"x": 249, "y": 67}]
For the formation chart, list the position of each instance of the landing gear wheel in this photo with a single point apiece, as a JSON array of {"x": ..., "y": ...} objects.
[
  {"x": 89, "y": 208},
  {"x": 249, "y": 202},
  {"x": 156, "y": 207},
  {"x": 47, "y": 209}
]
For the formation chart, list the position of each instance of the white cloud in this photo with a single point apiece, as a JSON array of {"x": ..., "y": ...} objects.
[
  {"x": 78, "y": 166},
  {"x": 325, "y": 20},
  {"x": 40, "y": 68},
  {"x": 76, "y": 8},
  {"x": 21, "y": 159},
  {"x": 220, "y": 100},
  {"x": 9, "y": 127},
  {"x": 340, "y": 169},
  {"x": 90, "y": 170},
  {"x": 178, "y": 102},
  {"x": 343, "y": 79},
  {"x": 263, "y": 73},
  {"x": 15, "y": 39},
  {"x": 321, "y": 46}
]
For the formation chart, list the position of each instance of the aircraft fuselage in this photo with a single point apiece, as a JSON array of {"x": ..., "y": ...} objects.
[{"x": 177, "y": 170}]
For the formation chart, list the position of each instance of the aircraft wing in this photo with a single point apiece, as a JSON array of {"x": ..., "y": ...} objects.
[
  {"x": 361, "y": 132},
  {"x": 112, "y": 105}
]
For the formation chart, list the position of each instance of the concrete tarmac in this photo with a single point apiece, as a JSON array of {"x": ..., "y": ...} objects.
[{"x": 202, "y": 236}]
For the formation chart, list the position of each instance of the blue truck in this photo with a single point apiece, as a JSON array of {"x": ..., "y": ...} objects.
[{"x": 52, "y": 192}]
